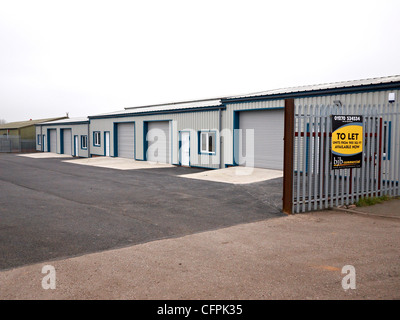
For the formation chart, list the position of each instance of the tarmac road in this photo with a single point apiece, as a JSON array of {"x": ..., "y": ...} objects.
[{"x": 50, "y": 209}]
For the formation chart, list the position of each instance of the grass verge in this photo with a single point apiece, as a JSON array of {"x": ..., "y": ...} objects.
[{"x": 363, "y": 202}]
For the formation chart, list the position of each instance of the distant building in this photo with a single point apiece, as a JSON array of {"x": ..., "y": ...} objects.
[{"x": 20, "y": 136}]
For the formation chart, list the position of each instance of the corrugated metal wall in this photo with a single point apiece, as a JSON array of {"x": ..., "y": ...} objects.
[
  {"x": 373, "y": 98},
  {"x": 208, "y": 120}
]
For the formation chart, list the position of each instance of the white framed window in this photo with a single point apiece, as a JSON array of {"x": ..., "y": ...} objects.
[
  {"x": 83, "y": 142},
  {"x": 208, "y": 142},
  {"x": 39, "y": 139},
  {"x": 96, "y": 138},
  {"x": 387, "y": 139}
]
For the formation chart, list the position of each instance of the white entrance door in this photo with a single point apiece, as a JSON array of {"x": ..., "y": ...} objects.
[
  {"x": 185, "y": 149},
  {"x": 76, "y": 145},
  {"x": 44, "y": 143},
  {"x": 107, "y": 144}
]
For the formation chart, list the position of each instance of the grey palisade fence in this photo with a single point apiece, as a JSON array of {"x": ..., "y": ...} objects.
[{"x": 314, "y": 184}]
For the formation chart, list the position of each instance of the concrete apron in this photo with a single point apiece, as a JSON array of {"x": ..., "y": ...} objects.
[
  {"x": 118, "y": 163},
  {"x": 232, "y": 175},
  {"x": 44, "y": 155},
  {"x": 236, "y": 175}
]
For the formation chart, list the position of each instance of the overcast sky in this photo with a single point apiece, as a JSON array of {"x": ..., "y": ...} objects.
[{"x": 91, "y": 57}]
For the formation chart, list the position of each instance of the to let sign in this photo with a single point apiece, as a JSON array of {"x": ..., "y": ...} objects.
[{"x": 347, "y": 141}]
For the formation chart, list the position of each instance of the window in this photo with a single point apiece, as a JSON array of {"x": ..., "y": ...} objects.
[
  {"x": 387, "y": 139},
  {"x": 96, "y": 138},
  {"x": 39, "y": 139},
  {"x": 83, "y": 142},
  {"x": 208, "y": 142}
]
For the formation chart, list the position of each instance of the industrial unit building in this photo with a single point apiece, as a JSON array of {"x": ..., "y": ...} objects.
[
  {"x": 134, "y": 132},
  {"x": 68, "y": 136},
  {"x": 203, "y": 133}
]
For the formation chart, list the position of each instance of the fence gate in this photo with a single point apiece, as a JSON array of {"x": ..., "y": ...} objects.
[{"x": 310, "y": 183}]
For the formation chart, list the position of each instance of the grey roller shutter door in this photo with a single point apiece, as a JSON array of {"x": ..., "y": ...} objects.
[
  {"x": 53, "y": 141},
  {"x": 158, "y": 138},
  {"x": 126, "y": 140},
  {"x": 67, "y": 136},
  {"x": 268, "y": 128}
]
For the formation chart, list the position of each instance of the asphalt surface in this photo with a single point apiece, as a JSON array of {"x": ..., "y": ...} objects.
[
  {"x": 293, "y": 257},
  {"x": 51, "y": 210}
]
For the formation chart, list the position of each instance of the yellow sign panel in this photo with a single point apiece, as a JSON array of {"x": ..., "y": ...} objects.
[{"x": 348, "y": 140}]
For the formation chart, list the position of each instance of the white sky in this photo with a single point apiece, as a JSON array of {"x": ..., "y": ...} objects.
[{"x": 91, "y": 57}]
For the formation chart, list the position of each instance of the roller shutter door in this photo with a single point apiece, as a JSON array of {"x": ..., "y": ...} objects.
[
  {"x": 268, "y": 128},
  {"x": 158, "y": 139},
  {"x": 126, "y": 140},
  {"x": 67, "y": 138},
  {"x": 53, "y": 141}
]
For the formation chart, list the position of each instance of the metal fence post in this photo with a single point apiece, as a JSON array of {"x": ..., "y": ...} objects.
[{"x": 288, "y": 157}]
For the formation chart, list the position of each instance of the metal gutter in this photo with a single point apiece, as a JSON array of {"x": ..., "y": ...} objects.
[
  {"x": 63, "y": 123},
  {"x": 122, "y": 115}
]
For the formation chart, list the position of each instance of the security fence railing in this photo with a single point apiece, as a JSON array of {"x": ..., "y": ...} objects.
[
  {"x": 316, "y": 184},
  {"x": 12, "y": 143}
]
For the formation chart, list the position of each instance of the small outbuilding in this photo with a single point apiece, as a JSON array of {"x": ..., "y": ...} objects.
[{"x": 67, "y": 136}]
